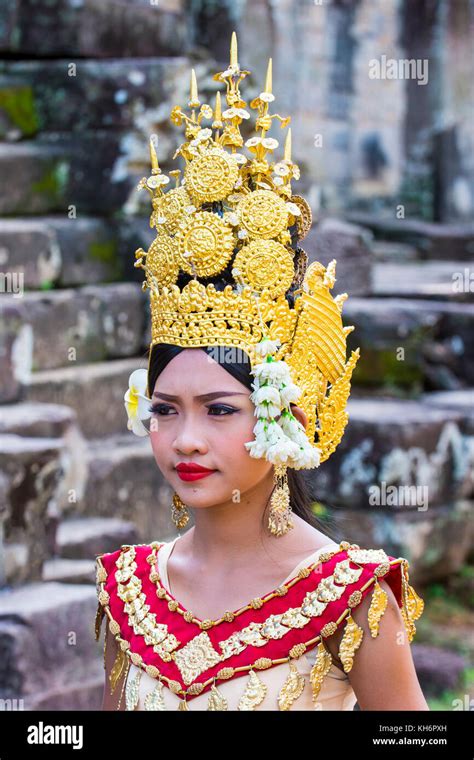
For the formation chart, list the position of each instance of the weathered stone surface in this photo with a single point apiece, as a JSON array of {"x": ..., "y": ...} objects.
[
  {"x": 60, "y": 570},
  {"x": 95, "y": 392},
  {"x": 16, "y": 348},
  {"x": 396, "y": 442},
  {"x": 125, "y": 482},
  {"x": 37, "y": 420},
  {"x": 34, "y": 468},
  {"x": 439, "y": 670},
  {"x": 47, "y": 642},
  {"x": 61, "y": 173},
  {"x": 60, "y": 251},
  {"x": 350, "y": 246},
  {"x": 424, "y": 279},
  {"x": 96, "y": 28},
  {"x": 460, "y": 401},
  {"x": 432, "y": 339},
  {"x": 86, "y": 537},
  {"x": 47, "y": 95},
  {"x": 433, "y": 240},
  {"x": 436, "y": 542},
  {"x": 95, "y": 322}
]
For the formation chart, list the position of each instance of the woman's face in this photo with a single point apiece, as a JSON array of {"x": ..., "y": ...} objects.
[{"x": 210, "y": 432}]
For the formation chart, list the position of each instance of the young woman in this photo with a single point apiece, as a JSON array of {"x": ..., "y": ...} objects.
[
  {"x": 254, "y": 607},
  {"x": 202, "y": 414}
]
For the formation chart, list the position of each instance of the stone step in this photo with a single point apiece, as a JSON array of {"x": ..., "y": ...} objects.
[
  {"x": 115, "y": 94},
  {"x": 94, "y": 28},
  {"x": 351, "y": 246},
  {"x": 60, "y": 570},
  {"x": 64, "y": 174},
  {"x": 94, "y": 391},
  {"x": 393, "y": 251},
  {"x": 461, "y": 401},
  {"x": 433, "y": 240},
  {"x": 413, "y": 344},
  {"x": 38, "y": 655},
  {"x": 81, "y": 538},
  {"x": 84, "y": 324},
  {"x": 42, "y": 252},
  {"x": 401, "y": 442},
  {"x": 125, "y": 482},
  {"x": 452, "y": 280}
]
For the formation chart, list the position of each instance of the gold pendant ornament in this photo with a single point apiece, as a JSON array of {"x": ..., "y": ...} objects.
[
  {"x": 155, "y": 700},
  {"x": 132, "y": 691},
  {"x": 291, "y": 689},
  {"x": 216, "y": 700},
  {"x": 377, "y": 608},
  {"x": 254, "y": 693},
  {"x": 322, "y": 665},
  {"x": 351, "y": 641},
  {"x": 179, "y": 512},
  {"x": 279, "y": 518}
]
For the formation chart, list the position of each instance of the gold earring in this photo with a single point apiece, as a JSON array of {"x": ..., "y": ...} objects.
[
  {"x": 279, "y": 518},
  {"x": 179, "y": 512}
]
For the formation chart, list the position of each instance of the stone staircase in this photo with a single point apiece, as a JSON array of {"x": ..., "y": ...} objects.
[{"x": 73, "y": 481}]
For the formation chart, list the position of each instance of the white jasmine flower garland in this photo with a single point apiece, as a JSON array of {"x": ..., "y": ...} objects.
[{"x": 285, "y": 441}]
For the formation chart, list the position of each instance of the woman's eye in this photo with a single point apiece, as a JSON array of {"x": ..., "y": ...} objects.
[
  {"x": 219, "y": 408},
  {"x": 159, "y": 409}
]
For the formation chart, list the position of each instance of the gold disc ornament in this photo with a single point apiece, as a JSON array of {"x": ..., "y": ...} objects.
[
  {"x": 305, "y": 219},
  {"x": 162, "y": 262},
  {"x": 170, "y": 207},
  {"x": 265, "y": 264},
  {"x": 211, "y": 175},
  {"x": 205, "y": 243},
  {"x": 263, "y": 214}
]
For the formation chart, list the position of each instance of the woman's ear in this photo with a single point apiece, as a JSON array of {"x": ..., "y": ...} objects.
[{"x": 300, "y": 415}]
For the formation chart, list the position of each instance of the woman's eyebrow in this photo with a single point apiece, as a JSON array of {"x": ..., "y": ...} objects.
[{"x": 205, "y": 397}]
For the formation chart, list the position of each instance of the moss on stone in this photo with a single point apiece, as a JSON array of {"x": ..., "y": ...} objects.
[{"x": 19, "y": 105}]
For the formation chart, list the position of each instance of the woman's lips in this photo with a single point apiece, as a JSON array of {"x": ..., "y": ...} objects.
[
  {"x": 194, "y": 475},
  {"x": 192, "y": 471}
]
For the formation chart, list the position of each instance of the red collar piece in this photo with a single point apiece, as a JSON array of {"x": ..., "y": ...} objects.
[{"x": 189, "y": 654}]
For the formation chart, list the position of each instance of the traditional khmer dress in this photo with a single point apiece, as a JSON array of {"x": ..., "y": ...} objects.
[{"x": 268, "y": 655}]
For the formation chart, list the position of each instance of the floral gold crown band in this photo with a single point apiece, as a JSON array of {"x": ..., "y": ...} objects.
[{"x": 226, "y": 269}]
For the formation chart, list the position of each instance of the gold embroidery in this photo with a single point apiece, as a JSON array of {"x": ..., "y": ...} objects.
[
  {"x": 254, "y": 694},
  {"x": 291, "y": 689},
  {"x": 195, "y": 657},
  {"x": 377, "y": 608},
  {"x": 365, "y": 556}
]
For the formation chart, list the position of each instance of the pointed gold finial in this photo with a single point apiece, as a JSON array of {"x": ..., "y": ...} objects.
[
  {"x": 233, "y": 50},
  {"x": 268, "y": 80},
  {"x": 287, "y": 156},
  {"x": 194, "y": 100},
  {"x": 155, "y": 169},
  {"x": 217, "y": 110}
]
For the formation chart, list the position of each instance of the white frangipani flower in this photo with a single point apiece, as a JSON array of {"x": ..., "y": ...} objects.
[
  {"x": 270, "y": 143},
  {"x": 294, "y": 209},
  {"x": 137, "y": 402}
]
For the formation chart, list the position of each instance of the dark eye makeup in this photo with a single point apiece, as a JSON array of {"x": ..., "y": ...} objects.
[{"x": 161, "y": 409}]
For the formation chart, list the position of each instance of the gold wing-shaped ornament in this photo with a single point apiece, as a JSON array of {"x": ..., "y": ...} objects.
[{"x": 318, "y": 357}]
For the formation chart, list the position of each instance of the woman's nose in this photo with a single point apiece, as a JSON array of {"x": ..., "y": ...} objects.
[{"x": 188, "y": 437}]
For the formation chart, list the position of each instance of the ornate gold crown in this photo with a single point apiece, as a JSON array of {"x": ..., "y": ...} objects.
[{"x": 235, "y": 214}]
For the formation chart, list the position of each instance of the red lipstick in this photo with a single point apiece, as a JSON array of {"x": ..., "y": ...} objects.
[{"x": 192, "y": 471}]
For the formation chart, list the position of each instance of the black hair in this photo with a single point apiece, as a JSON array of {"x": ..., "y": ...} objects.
[{"x": 301, "y": 497}]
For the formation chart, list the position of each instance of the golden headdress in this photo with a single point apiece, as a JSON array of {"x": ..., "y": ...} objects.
[{"x": 235, "y": 213}]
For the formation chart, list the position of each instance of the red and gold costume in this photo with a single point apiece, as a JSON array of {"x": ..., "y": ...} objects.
[{"x": 192, "y": 657}]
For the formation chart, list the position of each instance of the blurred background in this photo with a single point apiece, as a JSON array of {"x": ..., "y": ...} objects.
[{"x": 381, "y": 98}]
